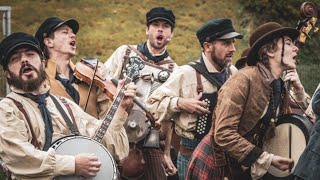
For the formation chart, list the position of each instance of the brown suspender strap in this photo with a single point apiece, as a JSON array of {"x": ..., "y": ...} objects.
[
  {"x": 139, "y": 54},
  {"x": 199, "y": 84},
  {"x": 73, "y": 128},
  {"x": 63, "y": 100},
  {"x": 151, "y": 63},
  {"x": 125, "y": 61},
  {"x": 21, "y": 108}
]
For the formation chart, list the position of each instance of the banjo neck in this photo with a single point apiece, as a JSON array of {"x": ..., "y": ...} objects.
[
  {"x": 100, "y": 132},
  {"x": 135, "y": 64}
]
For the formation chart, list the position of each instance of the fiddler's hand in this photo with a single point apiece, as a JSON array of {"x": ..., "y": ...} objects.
[
  {"x": 193, "y": 105},
  {"x": 293, "y": 77},
  {"x": 130, "y": 93}
]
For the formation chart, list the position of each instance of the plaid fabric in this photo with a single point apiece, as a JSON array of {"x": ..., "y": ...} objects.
[
  {"x": 153, "y": 167},
  {"x": 209, "y": 162},
  {"x": 203, "y": 163},
  {"x": 182, "y": 160},
  {"x": 182, "y": 165}
]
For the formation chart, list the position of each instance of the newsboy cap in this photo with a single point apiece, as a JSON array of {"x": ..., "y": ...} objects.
[
  {"x": 264, "y": 34},
  {"x": 220, "y": 28},
  {"x": 49, "y": 25},
  {"x": 14, "y": 41},
  {"x": 161, "y": 13}
]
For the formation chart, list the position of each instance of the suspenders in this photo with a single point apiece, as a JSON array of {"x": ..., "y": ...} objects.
[{"x": 72, "y": 126}]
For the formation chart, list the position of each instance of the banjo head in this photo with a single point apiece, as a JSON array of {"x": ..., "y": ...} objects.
[
  {"x": 74, "y": 145},
  {"x": 298, "y": 128}
]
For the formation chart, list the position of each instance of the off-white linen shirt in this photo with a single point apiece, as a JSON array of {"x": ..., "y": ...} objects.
[{"x": 27, "y": 162}]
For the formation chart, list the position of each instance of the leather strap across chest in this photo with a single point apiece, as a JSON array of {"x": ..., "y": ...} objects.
[{"x": 34, "y": 140}]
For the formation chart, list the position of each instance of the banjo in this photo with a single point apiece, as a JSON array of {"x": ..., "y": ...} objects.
[{"x": 73, "y": 145}]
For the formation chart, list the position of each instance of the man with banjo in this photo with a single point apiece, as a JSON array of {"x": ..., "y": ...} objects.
[{"x": 32, "y": 118}]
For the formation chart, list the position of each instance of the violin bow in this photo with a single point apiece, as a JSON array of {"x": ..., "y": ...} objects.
[{"x": 91, "y": 84}]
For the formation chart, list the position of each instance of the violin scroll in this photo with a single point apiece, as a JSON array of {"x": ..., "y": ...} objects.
[{"x": 308, "y": 11}]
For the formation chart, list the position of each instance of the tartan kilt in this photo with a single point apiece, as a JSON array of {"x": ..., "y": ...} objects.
[
  {"x": 205, "y": 164},
  {"x": 209, "y": 162}
]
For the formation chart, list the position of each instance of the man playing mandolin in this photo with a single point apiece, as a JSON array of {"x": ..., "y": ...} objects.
[{"x": 32, "y": 118}]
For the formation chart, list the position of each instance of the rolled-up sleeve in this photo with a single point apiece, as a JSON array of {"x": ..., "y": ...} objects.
[{"x": 163, "y": 101}]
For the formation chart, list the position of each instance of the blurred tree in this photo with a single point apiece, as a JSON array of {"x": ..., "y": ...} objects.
[{"x": 287, "y": 13}]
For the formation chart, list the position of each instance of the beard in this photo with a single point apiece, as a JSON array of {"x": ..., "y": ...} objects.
[
  {"x": 31, "y": 84},
  {"x": 222, "y": 63}
]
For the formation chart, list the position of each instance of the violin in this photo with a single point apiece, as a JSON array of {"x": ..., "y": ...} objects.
[{"x": 92, "y": 71}]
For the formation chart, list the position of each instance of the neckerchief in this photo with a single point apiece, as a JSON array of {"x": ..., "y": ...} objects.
[
  {"x": 41, "y": 101},
  {"x": 67, "y": 83},
  {"x": 143, "y": 48}
]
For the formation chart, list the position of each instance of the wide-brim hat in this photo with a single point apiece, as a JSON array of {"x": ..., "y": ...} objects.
[
  {"x": 14, "y": 41},
  {"x": 51, "y": 24},
  {"x": 265, "y": 34}
]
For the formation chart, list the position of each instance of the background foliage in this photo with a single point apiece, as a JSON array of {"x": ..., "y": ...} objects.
[
  {"x": 107, "y": 24},
  {"x": 287, "y": 13}
]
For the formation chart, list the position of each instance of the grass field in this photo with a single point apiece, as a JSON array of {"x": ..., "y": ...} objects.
[{"x": 106, "y": 24}]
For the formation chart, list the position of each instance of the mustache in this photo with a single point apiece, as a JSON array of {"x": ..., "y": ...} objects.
[{"x": 25, "y": 67}]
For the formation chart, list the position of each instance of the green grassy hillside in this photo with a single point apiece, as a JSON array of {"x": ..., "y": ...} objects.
[{"x": 105, "y": 25}]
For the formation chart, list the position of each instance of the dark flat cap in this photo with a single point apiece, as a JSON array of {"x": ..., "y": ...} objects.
[
  {"x": 14, "y": 41},
  {"x": 220, "y": 28},
  {"x": 160, "y": 13},
  {"x": 49, "y": 25}
]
